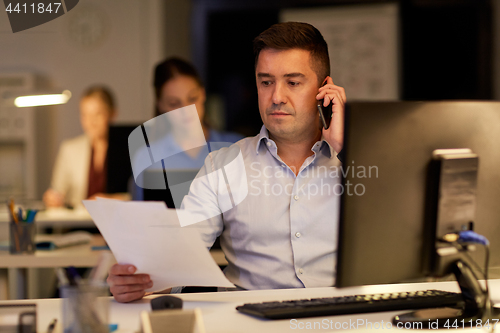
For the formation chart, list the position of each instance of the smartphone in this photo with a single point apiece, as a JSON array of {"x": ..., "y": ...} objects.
[{"x": 325, "y": 113}]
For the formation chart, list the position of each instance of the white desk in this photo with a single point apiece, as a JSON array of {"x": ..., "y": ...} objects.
[
  {"x": 58, "y": 217},
  {"x": 62, "y": 217},
  {"x": 77, "y": 256},
  {"x": 18, "y": 265},
  {"x": 219, "y": 313},
  {"x": 54, "y": 217}
]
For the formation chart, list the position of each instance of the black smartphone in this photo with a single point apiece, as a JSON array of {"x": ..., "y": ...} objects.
[{"x": 325, "y": 113}]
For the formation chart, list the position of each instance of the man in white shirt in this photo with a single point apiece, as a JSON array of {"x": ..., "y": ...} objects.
[{"x": 285, "y": 237}]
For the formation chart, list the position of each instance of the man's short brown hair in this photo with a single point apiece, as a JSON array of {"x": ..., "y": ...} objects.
[{"x": 296, "y": 35}]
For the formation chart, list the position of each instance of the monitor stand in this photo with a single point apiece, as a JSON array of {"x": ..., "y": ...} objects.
[{"x": 474, "y": 313}]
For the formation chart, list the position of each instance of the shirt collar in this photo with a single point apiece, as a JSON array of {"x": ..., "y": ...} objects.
[
  {"x": 320, "y": 146},
  {"x": 262, "y": 138},
  {"x": 324, "y": 147}
]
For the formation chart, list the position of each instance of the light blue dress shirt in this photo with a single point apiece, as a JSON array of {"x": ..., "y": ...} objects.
[{"x": 284, "y": 233}]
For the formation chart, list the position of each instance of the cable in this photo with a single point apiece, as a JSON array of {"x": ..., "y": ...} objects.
[
  {"x": 469, "y": 236},
  {"x": 461, "y": 241}
]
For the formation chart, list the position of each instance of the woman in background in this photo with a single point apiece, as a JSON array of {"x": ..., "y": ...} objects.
[
  {"x": 177, "y": 84},
  {"x": 80, "y": 169}
]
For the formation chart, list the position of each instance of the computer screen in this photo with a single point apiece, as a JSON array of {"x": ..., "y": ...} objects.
[
  {"x": 119, "y": 172},
  {"x": 177, "y": 185},
  {"x": 383, "y": 235}
]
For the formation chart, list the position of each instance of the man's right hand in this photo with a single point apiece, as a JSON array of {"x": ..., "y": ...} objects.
[{"x": 127, "y": 286}]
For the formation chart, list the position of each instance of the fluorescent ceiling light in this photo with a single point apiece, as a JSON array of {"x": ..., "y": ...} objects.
[{"x": 40, "y": 100}]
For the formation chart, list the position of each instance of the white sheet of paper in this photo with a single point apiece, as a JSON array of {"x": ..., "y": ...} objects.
[{"x": 148, "y": 235}]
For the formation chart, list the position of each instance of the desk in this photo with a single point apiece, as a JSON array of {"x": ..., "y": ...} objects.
[
  {"x": 22, "y": 284},
  {"x": 58, "y": 217},
  {"x": 77, "y": 256},
  {"x": 55, "y": 217},
  {"x": 63, "y": 217},
  {"x": 219, "y": 313}
]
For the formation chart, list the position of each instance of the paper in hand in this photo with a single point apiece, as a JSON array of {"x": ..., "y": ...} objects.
[{"x": 148, "y": 235}]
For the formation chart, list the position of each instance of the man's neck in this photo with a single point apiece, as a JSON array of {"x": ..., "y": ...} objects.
[{"x": 295, "y": 151}]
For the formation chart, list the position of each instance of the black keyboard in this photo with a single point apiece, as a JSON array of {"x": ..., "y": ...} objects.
[{"x": 331, "y": 306}]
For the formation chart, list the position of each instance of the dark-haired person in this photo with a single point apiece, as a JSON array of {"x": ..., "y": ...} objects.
[
  {"x": 177, "y": 84},
  {"x": 283, "y": 234},
  {"x": 80, "y": 169}
]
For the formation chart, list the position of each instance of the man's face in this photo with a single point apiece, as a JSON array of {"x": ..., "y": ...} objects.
[{"x": 287, "y": 88}]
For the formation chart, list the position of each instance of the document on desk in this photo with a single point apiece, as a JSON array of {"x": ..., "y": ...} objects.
[{"x": 148, "y": 235}]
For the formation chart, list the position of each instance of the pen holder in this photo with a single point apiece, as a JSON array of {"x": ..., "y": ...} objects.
[
  {"x": 22, "y": 238},
  {"x": 85, "y": 308}
]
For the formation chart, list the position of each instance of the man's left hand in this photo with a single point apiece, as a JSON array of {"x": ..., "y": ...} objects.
[{"x": 336, "y": 95}]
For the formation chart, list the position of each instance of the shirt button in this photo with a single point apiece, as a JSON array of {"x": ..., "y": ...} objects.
[
  {"x": 282, "y": 165},
  {"x": 296, "y": 197},
  {"x": 268, "y": 144},
  {"x": 297, "y": 234},
  {"x": 301, "y": 271}
]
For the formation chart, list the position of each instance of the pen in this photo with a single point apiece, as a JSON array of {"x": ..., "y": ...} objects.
[
  {"x": 52, "y": 325},
  {"x": 16, "y": 230},
  {"x": 30, "y": 215},
  {"x": 20, "y": 214},
  {"x": 73, "y": 276}
]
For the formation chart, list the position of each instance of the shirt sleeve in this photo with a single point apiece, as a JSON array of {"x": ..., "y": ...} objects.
[{"x": 202, "y": 202}]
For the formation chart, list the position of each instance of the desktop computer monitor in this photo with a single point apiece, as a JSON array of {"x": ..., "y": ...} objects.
[
  {"x": 395, "y": 189},
  {"x": 119, "y": 171},
  {"x": 176, "y": 181},
  {"x": 384, "y": 233}
]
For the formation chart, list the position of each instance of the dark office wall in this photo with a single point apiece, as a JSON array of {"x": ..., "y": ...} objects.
[
  {"x": 446, "y": 49},
  {"x": 230, "y": 69}
]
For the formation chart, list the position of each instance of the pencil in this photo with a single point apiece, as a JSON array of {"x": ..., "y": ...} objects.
[{"x": 12, "y": 211}]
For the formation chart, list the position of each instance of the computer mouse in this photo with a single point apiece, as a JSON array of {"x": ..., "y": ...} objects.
[{"x": 166, "y": 302}]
